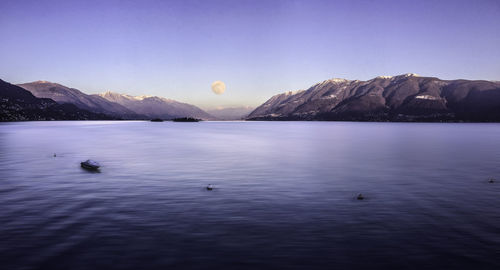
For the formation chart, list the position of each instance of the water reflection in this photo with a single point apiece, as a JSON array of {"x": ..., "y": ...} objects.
[{"x": 285, "y": 195}]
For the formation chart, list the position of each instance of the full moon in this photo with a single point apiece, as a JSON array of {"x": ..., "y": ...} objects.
[{"x": 218, "y": 87}]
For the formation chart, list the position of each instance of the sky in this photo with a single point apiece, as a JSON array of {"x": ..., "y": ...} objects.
[{"x": 176, "y": 49}]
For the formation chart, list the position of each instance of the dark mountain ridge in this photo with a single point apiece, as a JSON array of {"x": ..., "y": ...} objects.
[
  {"x": 406, "y": 97},
  {"x": 17, "y": 104}
]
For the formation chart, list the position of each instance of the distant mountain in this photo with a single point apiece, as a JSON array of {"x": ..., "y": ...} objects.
[
  {"x": 157, "y": 107},
  {"x": 18, "y": 104},
  {"x": 406, "y": 97},
  {"x": 94, "y": 103},
  {"x": 233, "y": 113}
]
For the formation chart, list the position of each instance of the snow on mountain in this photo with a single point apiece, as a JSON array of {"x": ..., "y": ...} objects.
[
  {"x": 156, "y": 107},
  {"x": 63, "y": 94},
  {"x": 407, "y": 97}
]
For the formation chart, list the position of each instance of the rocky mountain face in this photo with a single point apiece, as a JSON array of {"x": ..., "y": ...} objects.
[
  {"x": 406, "y": 97},
  {"x": 157, "y": 107},
  {"x": 18, "y": 104},
  {"x": 231, "y": 113},
  {"x": 65, "y": 95}
]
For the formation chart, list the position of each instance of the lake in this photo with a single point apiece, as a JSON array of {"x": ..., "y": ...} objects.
[{"x": 284, "y": 195}]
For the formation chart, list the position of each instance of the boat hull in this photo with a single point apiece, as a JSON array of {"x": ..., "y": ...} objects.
[{"x": 89, "y": 167}]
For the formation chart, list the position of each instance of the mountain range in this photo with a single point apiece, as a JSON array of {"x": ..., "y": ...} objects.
[
  {"x": 116, "y": 105},
  {"x": 407, "y": 97},
  {"x": 231, "y": 113},
  {"x": 156, "y": 107},
  {"x": 18, "y": 104},
  {"x": 66, "y": 95}
]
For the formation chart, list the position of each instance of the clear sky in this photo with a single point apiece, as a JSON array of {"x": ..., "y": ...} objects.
[{"x": 176, "y": 49}]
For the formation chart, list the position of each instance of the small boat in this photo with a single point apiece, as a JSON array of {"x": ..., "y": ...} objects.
[
  {"x": 210, "y": 187},
  {"x": 90, "y": 165},
  {"x": 360, "y": 197}
]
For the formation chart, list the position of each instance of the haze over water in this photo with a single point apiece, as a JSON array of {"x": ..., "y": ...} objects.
[{"x": 284, "y": 195}]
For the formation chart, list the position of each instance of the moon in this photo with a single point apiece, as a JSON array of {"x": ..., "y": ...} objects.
[{"x": 218, "y": 87}]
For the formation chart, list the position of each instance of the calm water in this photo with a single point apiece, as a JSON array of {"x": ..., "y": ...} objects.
[{"x": 284, "y": 195}]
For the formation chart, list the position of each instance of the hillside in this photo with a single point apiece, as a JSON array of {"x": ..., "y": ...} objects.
[
  {"x": 17, "y": 104},
  {"x": 406, "y": 97}
]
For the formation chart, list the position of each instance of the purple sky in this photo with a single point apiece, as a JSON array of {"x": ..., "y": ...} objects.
[{"x": 176, "y": 49}]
